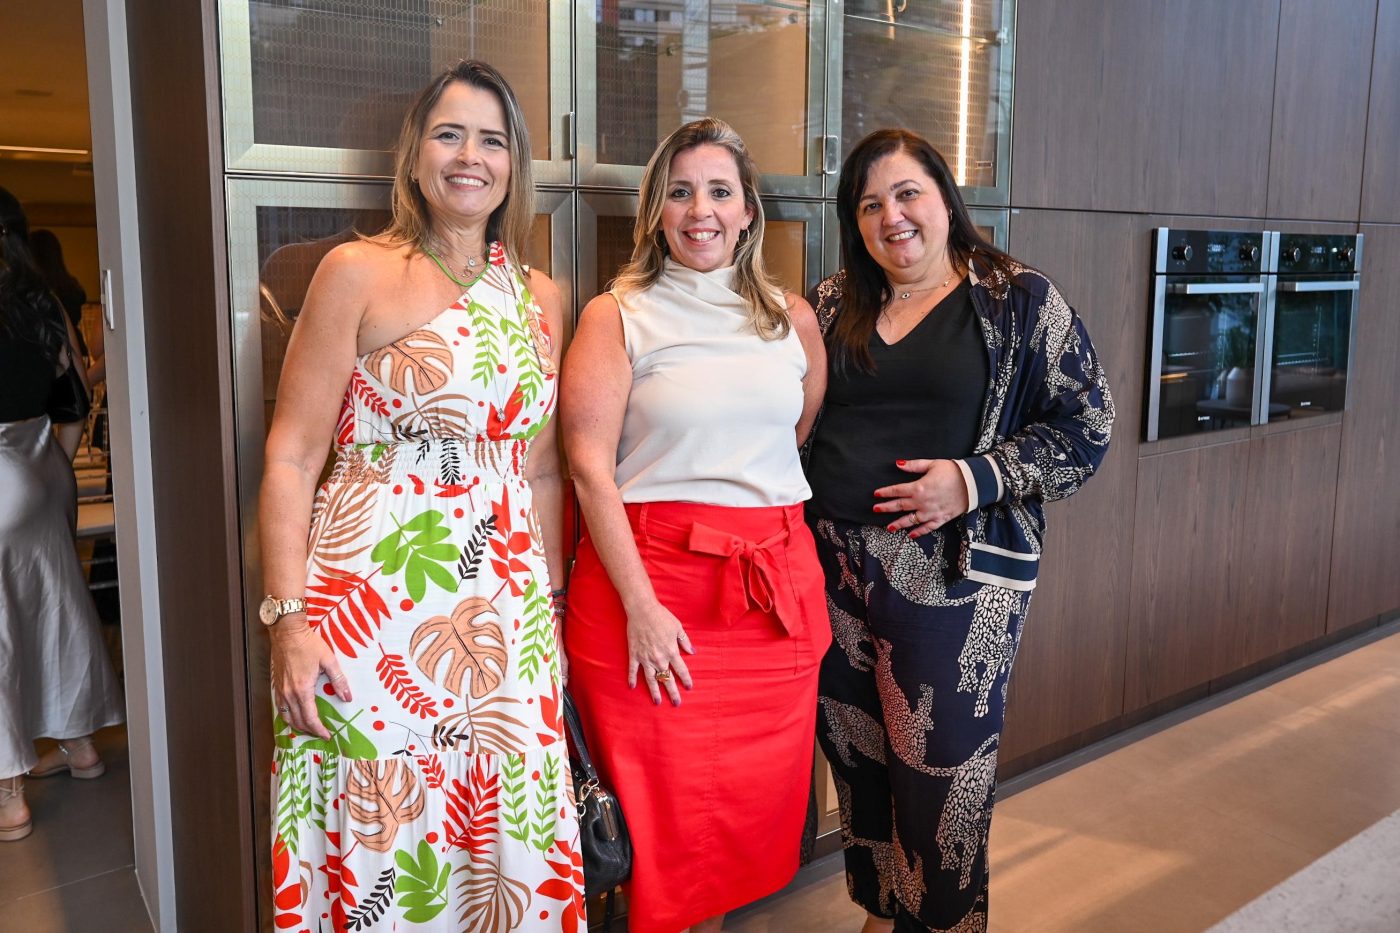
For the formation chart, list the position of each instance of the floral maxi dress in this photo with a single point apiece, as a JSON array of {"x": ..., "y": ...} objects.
[{"x": 442, "y": 800}]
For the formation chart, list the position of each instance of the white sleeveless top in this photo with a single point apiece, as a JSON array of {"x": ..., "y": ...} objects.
[{"x": 714, "y": 407}]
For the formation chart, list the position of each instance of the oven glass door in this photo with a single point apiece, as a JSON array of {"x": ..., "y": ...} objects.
[
  {"x": 1205, "y": 353},
  {"x": 1311, "y": 345}
]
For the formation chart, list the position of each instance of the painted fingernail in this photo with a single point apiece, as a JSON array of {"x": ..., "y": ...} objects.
[
  {"x": 891, "y": 528},
  {"x": 900, "y": 462}
]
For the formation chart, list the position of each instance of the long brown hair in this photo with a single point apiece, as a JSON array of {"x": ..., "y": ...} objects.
[
  {"x": 509, "y": 223},
  {"x": 767, "y": 312},
  {"x": 865, "y": 289}
]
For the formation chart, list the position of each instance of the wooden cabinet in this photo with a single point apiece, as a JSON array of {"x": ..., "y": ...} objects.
[
  {"x": 1287, "y": 545},
  {"x": 1380, "y": 190},
  {"x": 1366, "y": 539},
  {"x": 1320, "y": 97},
  {"x": 1069, "y": 671},
  {"x": 1188, "y": 566},
  {"x": 1139, "y": 105}
]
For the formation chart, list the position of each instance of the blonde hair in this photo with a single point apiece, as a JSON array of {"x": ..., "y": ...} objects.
[
  {"x": 767, "y": 311},
  {"x": 509, "y": 223}
]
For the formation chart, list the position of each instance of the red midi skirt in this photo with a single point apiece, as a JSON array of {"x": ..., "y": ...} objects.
[{"x": 714, "y": 791}]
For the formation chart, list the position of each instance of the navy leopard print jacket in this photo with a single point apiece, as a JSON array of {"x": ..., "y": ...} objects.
[{"x": 1045, "y": 425}]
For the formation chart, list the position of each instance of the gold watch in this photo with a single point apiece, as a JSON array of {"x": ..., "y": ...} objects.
[{"x": 273, "y": 608}]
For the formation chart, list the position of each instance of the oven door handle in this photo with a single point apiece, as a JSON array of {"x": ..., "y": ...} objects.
[
  {"x": 1216, "y": 288},
  {"x": 1319, "y": 286}
]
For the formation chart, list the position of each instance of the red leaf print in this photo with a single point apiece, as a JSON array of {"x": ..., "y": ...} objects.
[
  {"x": 502, "y": 512},
  {"x": 339, "y": 880},
  {"x": 344, "y": 608},
  {"x": 567, "y": 887},
  {"x": 471, "y": 811},
  {"x": 498, "y": 423},
  {"x": 497, "y": 254},
  {"x": 366, "y": 394},
  {"x": 551, "y": 712},
  {"x": 345, "y": 424},
  {"x": 417, "y": 485},
  {"x": 393, "y": 674},
  {"x": 450, "y": 490},
  {"x": 433, "y": 774},
  {"x": 288, "y": 896}
]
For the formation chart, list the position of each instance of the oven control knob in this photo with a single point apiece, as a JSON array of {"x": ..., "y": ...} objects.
[
  {"x": 1249, "y": 253},
  {"x": 1293, "y": 254},
  {"x": 1347, "y": 255},
  {"x": 1182, "y": 253}
]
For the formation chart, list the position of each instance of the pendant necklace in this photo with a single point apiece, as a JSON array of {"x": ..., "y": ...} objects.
[
  {"x": 904, "y": 296},
  {"x": 468, "y": 270}
]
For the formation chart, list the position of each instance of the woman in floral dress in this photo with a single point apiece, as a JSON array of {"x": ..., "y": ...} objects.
[{"x": 420, "y": 775}]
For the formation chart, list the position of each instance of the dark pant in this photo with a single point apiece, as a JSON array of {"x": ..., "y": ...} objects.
[{"x": 912, "y": 700}]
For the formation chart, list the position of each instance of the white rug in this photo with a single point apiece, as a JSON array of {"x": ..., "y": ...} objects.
[{"x": 1354, "y": 888}]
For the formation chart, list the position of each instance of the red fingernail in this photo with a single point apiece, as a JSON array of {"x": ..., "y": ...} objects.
[
  {"x": 901, "y": 462},
  {"x": 912, "y": 536},
  {"x": 890, "y": 528}
]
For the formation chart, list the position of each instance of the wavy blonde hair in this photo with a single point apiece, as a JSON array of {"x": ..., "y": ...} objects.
[
  {"x": 767, "y": 312},
  {"x": 509, "y": 223}
]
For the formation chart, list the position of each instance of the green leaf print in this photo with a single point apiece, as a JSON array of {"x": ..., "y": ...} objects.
[
  {"x": 325, "y": 778},
  {"x": 420, "y": 548},
  {"x": 522, "y": 348},
  {"x": 377, "y": 452},
  {"x": 422, "y": 884},
  {"x": 514, "y": 809},
  {"x": 544, "y": 806},
  {"x": 345, "y": 739},
  {"x": 537, "y": 632},
  {"x": 293, "y": 798},
  {"x": 486, "y": 325}
]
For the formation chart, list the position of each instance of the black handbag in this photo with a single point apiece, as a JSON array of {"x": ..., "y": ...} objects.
[
  {"x": 607, "y": 849},
  {"x": 68, "y": 398}
]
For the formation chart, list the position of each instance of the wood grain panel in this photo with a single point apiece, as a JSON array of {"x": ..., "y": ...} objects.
[
  {"x": 1288, "y": 545},
  {"x": 1319, "y": 131},
  {"x": 188, "y": 360},
  {"x": 1069, "y": 673},
  {"x": 1188, "y": 562},
  {"x": 1139, "y": 105},
  {"x": 1380, "y": 190},
  {"x": 1366, "y": 537}
]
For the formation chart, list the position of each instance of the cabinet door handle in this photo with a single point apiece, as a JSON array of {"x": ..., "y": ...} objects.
[{"x": 831, "y": 155}]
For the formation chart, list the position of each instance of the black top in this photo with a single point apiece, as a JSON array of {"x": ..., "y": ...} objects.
[
  {"x": 26, "y": 377},
  {"x": 923, "y": 401}
]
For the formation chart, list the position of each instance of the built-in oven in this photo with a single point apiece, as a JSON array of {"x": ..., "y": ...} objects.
[
  {"x": 1205, "y": 355},
  {"x": 1309, "y": 313}
]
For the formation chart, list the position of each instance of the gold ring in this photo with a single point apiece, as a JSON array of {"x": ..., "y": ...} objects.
[{"x": 662, "y": 675}]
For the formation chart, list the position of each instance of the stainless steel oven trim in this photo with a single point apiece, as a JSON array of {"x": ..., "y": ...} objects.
[
  {"x": 1154, "y": 364},
  {"x": 1159, "y": 250},
  {"x": 1351, "y": 338},
  {"x": 1264, "y": 352},
  {"x": 1215, "y": 288},
  {"x": 1320, "y": 285}
]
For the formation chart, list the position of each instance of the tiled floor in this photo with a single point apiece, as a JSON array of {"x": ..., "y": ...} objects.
[
  {"x": 74, "y": 874},
  {"x": 1170, "y": 833},
  {"x": 1178, "y": 830}
]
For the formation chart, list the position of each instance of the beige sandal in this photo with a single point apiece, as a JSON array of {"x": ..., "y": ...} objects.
[
  {"x": 12, "y": 805},
  {"x": 59, "y": 760}
]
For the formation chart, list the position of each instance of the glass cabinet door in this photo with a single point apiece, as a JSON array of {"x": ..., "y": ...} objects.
[
  {"x": 647, "y": 66},
  {"x": 941, "y": 68},
  {"x": 791, "y": 241},
  {"x": 321, "y": 87}
]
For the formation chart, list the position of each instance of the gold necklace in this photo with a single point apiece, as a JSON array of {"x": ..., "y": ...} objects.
[{"x": 904, "y": 296}]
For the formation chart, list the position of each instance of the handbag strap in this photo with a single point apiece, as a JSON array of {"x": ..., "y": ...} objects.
[{"x": 574, "y": 727}]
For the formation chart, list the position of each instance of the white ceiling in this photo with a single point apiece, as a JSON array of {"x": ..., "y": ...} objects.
[{"x": 41, "y": 50}]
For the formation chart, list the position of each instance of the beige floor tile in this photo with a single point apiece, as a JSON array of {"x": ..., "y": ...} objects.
[
  {"x": 107, "y": 903},
  {"x": 1165, "y": 865}
]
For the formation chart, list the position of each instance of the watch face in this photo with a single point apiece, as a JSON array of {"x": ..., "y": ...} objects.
[{"x": 267, "y": 612}]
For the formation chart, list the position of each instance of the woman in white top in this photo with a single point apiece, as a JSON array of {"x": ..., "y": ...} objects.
[{"x": 686, "y": 393}]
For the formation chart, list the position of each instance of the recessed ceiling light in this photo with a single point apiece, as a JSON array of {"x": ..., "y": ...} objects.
[{"x": 43, "y": 150}]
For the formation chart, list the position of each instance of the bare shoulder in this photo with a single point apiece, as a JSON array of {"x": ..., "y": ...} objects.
[
  {"x": 544, "y": 289},
  {"x": 804, "y": 319}
]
